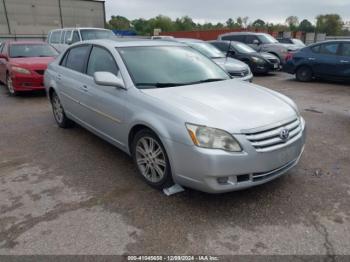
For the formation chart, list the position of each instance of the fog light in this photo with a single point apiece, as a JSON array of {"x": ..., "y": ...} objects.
[{"x": 222, "y": 180}]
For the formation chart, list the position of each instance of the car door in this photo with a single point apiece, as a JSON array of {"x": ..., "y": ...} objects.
[
  {"x": 70, "y": 76},
  {"x": 344, "y": 60},
  {"x": 106, "y": 102},
  {"x": 324, "y": 60}
]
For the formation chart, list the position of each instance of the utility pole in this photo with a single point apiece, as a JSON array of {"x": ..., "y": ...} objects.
[{"x": 6, "y": 16}]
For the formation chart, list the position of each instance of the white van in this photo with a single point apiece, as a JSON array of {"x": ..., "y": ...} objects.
[{"x": 62, "y": 38}]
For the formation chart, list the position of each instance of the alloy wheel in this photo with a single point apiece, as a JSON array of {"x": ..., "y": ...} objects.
[
  {"x": 57, "y": 109},
  {"x": 150, "y": 159},
  {"x": 9, "y": 84}
]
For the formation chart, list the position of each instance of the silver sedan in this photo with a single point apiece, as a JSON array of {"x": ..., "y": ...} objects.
[{"x": 178, "y": 114}]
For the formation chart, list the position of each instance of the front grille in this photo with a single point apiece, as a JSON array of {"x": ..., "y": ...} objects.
[
  {"x": 273, "y": 60},
  {"x": 40, "y": 72},
  {"x": 271, "y": 138},
  {"x": 240, "y": 74},
  {"x": 257, "y": 177}
]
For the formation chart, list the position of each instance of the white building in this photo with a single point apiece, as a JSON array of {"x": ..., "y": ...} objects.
[{"x": 346, "y": 25}]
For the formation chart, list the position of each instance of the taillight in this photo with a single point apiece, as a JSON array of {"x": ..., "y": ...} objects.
[{"x": 289, "y": 56}]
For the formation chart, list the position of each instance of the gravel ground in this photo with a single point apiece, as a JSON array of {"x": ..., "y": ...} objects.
[{"x": 69, "y": 192}]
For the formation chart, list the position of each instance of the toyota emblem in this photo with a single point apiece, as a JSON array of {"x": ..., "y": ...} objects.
[{"x": 284, "y": 135}]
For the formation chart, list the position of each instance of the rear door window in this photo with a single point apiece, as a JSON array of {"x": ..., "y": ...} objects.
[
  {"x": 329, "y": 49},
  {"x": 55, "y": 37},
  {"x": 239, "y": 38},
  {"x": 76, "y": 58},
  {"x": 345, "y": 50}
]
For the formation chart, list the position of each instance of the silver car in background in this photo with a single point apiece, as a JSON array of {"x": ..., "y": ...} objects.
[
  {"x": 178, "y": 114},
  {"x": 234, "y": 67}
]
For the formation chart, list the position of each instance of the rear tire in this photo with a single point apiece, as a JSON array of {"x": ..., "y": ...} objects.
[
  {"x": 58, "y": 112},
  {"x": 9, "y": 85},
  {"x": 304, "y": 74},
  {"x": 151, "y": 160}
]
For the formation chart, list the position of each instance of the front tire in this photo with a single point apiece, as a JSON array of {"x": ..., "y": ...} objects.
[
  {"x": 9, "y": 85},
  {"x": 151, "y": 160},
  {"x": 304, "y": 74},
  {"x": 58, "y": 112}
]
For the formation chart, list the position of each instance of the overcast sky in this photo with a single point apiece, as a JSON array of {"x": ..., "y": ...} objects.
[{"x": 220, "y": 10}]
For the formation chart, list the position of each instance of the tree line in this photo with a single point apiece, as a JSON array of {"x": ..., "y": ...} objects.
[{"x": 331, "y": 24}]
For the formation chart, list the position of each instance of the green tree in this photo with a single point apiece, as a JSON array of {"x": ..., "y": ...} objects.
[
  {"x": 306, "y": 26},
  {"x": 258, "y": 23},
  {"x": 292, "y": 22},
  {"x": 119, "y": 23},
  {"x": 141, "y": 26},
  {"x": 184, "y": 23},
  {"x": 331, "y": 24},
  {"x": 230, "y": 23},
  {"x": 162, "y": 22}
]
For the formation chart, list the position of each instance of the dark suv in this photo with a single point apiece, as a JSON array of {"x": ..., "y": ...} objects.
[
  {"x": 329, "y": 59},
  {"x": 261, "y": 42}
]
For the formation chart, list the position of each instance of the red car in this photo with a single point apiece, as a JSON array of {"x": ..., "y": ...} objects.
[{"x": 23, "y": 64}]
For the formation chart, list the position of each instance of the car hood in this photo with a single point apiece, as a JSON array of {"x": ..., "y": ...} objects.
[
  {"x": 268, "y": 55},
  {"x": 230, "y": 64},
  {"x": 275, "y": 46},
  {"x": 230, "y": 105},
  {"x": 32, "y": 62},
  {"x": 292, "y": 47}
]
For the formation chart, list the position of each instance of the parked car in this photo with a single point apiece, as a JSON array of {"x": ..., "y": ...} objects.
[
  {"x": 260, "y": 42},
  {"x": 62, "y": 38},
  {"x": 329, "y": 60},
  {"x": 22, "y": 65},
  {"x": 234, "y": 67},
  {"x": 259, "y": 63},
  {"x": 292, "y": 43},
  {"x": 177, "y": 113}
]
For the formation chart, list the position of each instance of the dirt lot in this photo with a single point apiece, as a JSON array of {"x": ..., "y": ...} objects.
[{"x": 69, "y": 192}]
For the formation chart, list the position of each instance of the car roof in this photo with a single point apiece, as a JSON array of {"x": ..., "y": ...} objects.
[
  {"x": 244, "y": 33},
  {"x": 187, "y": 40},
  {"x": 112, "y": 43},
  {"x": 225, "y": 41},
  {"x": 331, "y": 41},
  {"x": 79, "y": 28}
]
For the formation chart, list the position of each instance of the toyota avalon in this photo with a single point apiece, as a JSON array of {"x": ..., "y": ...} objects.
[{"x": 177, "y": 113}]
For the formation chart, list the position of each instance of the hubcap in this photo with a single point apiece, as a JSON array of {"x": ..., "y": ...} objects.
[
  {"x": 150, "y": 159},
  {"x": 57, "y": 109},
  {"x": 10, "y": 85}
]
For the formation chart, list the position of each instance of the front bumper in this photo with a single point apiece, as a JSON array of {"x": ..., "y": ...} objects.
[
  {"x": 202, "y": 169},
  {"x": 247, "y": 78},
  {"x": 27, "y": 83}
]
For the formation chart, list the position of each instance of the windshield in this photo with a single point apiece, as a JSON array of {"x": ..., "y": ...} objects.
[
  {"x": 91, "y": 34},
  {"x": 169, "y": 66},
  {"x": 32, "y": 50},
  {"x": 267, "y": 39},
  {"x": 243, "y": 48},
  {"x": 298, "y": 42},
  {"x": 206, "y": 49}
]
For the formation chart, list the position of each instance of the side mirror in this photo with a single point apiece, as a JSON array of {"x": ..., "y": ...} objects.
[
  {"x": 108, "y": 79},
  {"x": 69, "y": 41},
  {"x": 256, "y": 42},
  {"x": 2, "y": 56}
]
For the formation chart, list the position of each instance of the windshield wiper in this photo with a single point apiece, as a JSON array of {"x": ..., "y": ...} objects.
[
  {"x": 160, "y": 85},
  {"x": 207, "y": 81}
]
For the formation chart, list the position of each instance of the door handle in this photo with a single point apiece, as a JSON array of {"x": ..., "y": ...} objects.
[
  {"x": 85, "y": 88},
  {"x": 312, "y": 58},
  {"x": 344, "y": 61},
  {"x": 59, "y": 77}
]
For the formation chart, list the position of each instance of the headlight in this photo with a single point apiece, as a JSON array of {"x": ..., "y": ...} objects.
[
  {"x": 258, "y": 60},
  {"x": 21, "y": 70},
  {"x": 213, "y": 138}
]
